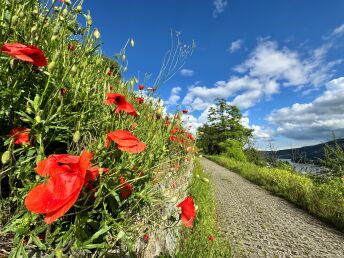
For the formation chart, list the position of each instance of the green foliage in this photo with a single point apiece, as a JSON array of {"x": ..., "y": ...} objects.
[
  {"x": 224, "y": 124},
  {"x": 324, "y": 200},
  {"x": 195, "y": 242},
  {"x": 233, "y": 149},
  {"x": 333, "y": 159},
  {"x": 63, "y": 106},
  {"x": 254, "y": 156}
]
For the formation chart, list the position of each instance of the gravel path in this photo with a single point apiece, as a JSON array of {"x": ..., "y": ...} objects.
[{"x": 259, "y": 224}]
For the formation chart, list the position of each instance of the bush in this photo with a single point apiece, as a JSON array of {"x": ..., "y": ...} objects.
[
  {"x": 52, "y": 102},
  {"x": 324, "y": 200},
  {"x": 233, "y": 149}
]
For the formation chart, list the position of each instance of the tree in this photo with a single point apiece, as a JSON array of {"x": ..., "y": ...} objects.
[{"x": 224, "y": 124}]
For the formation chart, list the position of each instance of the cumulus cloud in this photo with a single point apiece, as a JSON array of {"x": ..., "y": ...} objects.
[
  {"x": 187, "y": 72},
  {"x": 219, "y": 7},
  {"x": 316, "y": 119},
  {"x": 267, "y": 69},
  {"x": 235, "y": 45},
  {"x": 174, "y": 96}
]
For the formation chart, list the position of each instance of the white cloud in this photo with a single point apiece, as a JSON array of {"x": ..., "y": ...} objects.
[
  {"x": 235, "y": 45},
  {"x": 187, "y": 72},
  {"x": 316, "y": 119},
  {"x": 174, "y": 96},
  {"x": 220, "y": 6},
  {"x": 267, "y": 69},
  {"x": 339, "y": 31}
]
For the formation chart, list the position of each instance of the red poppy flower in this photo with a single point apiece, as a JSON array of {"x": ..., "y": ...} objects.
[
  {"x": 146, "y": 237},
  {"x": 126, "y": 190},
  {"x": 172, "y": 138},
  {"x": 211, "y": 238},
  {"x": 63, "y": 91},
  {"x": 167, "y": 123},
  {"x": 92, "y": 174},
  {"x": 71, "y": 47},
  {"x": 20, "y": 135},
  {"x": 185, "y": 111},
  {"x": 188, "y": 211},
  {"x": 190, "y": 136},
  {"x": 175, "y": 130},
  {"x": 140, "y": 100},
  {"x": 121, "y": 103},
  {"x": 125, "y": 141},
  {"x": 30, "y": 54},
  {"x": 66, "y": 178},
  {"x": 141, "y": 87},
  {"x": 182, "y": 131}
]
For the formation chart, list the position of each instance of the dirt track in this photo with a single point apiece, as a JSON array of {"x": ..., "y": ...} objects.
[{"x": 259, "y": 224}]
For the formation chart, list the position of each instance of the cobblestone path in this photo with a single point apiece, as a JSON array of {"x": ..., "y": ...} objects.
[{"x": 259, "y": 224}]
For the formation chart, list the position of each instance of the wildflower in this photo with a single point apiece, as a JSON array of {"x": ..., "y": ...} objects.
[
  {"x": 63, "y": 91},
  {"x": 211, "y": 238},
  {"x": 30, "y": 54},
  {"x": 71, "y": 47},
  {"x": 140, "y": 100},
  {"x": 188, "y": 211},
  {"x": 175, "y": 130},
  {"x": 125, "y": 141},
  {"x": 146, "y": 237},
  {"x": 190, "y": 136},
  {"x": 121, "y": 103},
  {"x": 92, "y": 174},
  {"x": 185, "y": 111},
  {"x": 66, "y": 177},
  {"x": 141, "y": 87},
  {"x": 172, "y": 138},
  {"x": 167, "y": 123},
  {"x": 20, "y": 135},
  {"x": 126, "y": 190},
  {"x": 152, "y": 89}
]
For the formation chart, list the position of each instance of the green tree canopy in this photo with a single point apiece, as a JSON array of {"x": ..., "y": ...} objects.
[{"x": 223, "y": 124}]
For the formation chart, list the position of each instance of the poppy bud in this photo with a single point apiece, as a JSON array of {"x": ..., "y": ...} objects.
[
  {"x": 125, "y": 69},
  {"x": 123, "y": 57},
  {"x": 12, "y": 63},
  {"x": 38, "y": 119},
  {"x": 14, "y": 20},
  {"x": 89, "y": 20},
  {"x": 96, "y": 34},
  {"x": 64, "y": 12},
  {"x": 73, "y": 69},
  {"x": 28, "y": 108},
  {"x": 36, "y": 102},
  {"x": 132, "y": 43},
  {"x": 5, "y": 157},
  {"x": 78, "y": 8},
  {"x": 21, "y": 14},
  {"x": 76, "y": 136},
  {"x": 51, "y": 67}
]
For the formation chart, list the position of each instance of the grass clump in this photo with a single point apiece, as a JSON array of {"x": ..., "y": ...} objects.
[
  {"x": 197, "y": 241},
  {"x": 325, "y": 200}
]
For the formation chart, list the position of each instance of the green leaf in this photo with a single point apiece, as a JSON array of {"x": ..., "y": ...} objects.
[
  {"x": 98, "y": 234},
  {"x": 38, "y": 242}
]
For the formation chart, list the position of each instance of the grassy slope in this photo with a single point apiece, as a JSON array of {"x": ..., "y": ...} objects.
[
  {"x": 326, "y": 201},
  {"x": 194, "y": 242}
]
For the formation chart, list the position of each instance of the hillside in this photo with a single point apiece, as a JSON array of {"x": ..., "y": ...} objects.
[{"x": 307, "y": 153}]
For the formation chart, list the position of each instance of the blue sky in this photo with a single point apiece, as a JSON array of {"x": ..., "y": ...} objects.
[{"x": 280, "y": 61}]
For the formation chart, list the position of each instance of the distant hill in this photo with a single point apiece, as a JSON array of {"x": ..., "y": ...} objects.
[{"x": 304, "y": 154}]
